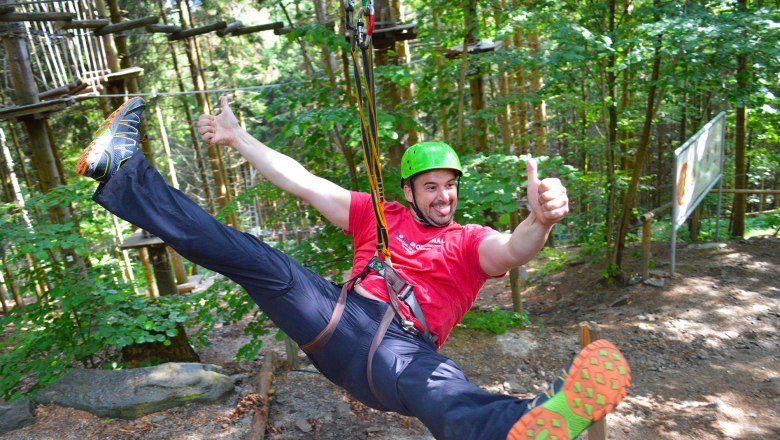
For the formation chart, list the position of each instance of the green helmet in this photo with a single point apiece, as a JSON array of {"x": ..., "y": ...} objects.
[{"x": 424, "y": 156}]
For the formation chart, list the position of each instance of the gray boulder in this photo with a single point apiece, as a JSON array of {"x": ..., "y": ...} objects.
[
  {"x": 15, "y": 415},
  {"x": 129, "y": 394}
]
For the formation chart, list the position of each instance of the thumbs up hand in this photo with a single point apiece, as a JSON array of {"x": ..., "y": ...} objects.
[
  {"x": 219, "y": 129},
  {"x": 547, "y": 197}
]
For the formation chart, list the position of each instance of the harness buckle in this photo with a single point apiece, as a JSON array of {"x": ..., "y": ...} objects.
[
  {"x": 409, "y": 327},
  {"x": 408, "y": 288}
]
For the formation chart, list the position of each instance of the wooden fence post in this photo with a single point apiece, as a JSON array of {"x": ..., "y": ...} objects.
[{"x": 589, "y": 332}]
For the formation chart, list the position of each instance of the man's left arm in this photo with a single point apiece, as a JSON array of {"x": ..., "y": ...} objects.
[{"x": 549, "y": 205}]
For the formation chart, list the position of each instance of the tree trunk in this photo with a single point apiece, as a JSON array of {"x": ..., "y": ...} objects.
[
  {"x": 611, "y": 129},
  {"x": 442, "y": 87},
  {"x": 329, "y": 61},
  {"x": 407, "y": 91},
  {"x": 125, "y": 61},
  {"x": 204, "y": 105},
  {"x": 190, "y": 122},
  {"x": 521, "y": 112},
  {"x": 42, "y": 151},
  {"x": 539, "y": 105},
  {"x": 630, "y": 197},
  {"x": 3, "y": 293},
  {"x": 740, "y": 172},
  {"x": 626, "y": 135},
  {"x": 505, "y": 115}
]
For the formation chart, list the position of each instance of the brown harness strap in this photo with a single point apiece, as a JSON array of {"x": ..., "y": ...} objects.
[
  {"x": 380, "y": 334},
  {"x": 325, "y": 335}
]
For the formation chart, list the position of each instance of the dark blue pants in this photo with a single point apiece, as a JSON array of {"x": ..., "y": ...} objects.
[{"x": 410, "y": 377}]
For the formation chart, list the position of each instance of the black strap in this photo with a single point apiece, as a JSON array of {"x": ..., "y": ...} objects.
[
  {"x": 400, "y": 289},
  {"x": 380, "y": 334}
]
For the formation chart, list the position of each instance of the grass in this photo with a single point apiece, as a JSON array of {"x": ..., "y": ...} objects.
[{"x": 495, "y": 320}]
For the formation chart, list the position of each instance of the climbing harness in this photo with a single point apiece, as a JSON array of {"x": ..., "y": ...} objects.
[
  {"x": 361, "y": 31},
  {"x": 360, "y": 28}
]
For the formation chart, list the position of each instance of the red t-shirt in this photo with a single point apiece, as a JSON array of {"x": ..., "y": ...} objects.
[{"x": 441, "y": 263}]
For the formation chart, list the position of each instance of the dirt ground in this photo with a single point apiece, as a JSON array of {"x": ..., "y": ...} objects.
[{"x": 703, "y": 349}]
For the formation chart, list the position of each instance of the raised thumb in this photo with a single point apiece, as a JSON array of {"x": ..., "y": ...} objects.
[{"x": 533, "y": 186}]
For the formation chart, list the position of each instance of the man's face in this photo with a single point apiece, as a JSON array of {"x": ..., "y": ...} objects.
[{"x": 436, "y": 193}]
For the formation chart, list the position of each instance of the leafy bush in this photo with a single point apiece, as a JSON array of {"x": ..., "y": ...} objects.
[
  {"x": 495, "y": 320},
  {"x": 87, "y": 314}
]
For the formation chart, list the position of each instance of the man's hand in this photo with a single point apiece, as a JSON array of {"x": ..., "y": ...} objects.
[
  {"x": 221, "y": 129},
  {"x": 548, "y": 199}
]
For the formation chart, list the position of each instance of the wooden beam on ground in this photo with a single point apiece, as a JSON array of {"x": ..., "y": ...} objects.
[
  {"x": 36, "y": 16},
  {"x": 197, "y": 31},
  {"x": 39, "y": 110},
  {"x": 264, "y": 379},
  {"x": 589, "y": 332},
  {"x": 258, "y": 28},
  {"x": 126, "y": 25},
  {"x": 163, "y": 28},
  {"x": 85, "y": 24}
]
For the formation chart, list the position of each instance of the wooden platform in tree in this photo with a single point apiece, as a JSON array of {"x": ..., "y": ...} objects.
[
  {"x": 39, "y": 110},
  {"x": 130, "y": 72},
  {"x": 473, "y": 48},
  {"x": 141, "y": 239},
  {"x": 385, "y": 37}
]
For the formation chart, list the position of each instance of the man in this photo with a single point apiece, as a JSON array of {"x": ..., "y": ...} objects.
[{"x": 362, "y": 337}]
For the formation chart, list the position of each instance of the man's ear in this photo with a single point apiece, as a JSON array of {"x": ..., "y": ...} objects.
[{"x": 408, "y": 193}]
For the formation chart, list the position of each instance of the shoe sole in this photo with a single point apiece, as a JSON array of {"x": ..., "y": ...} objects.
[
  {"x": 598, "y": 380},
  {"x": 109, "y": 124}
]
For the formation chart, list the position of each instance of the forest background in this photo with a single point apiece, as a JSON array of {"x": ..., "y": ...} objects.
[{"x": 602, "y": 92}]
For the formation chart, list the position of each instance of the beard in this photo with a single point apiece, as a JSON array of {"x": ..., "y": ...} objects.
[{"x": 440, "y": 220}]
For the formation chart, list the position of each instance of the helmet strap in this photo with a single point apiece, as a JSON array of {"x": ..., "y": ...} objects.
[
  {"x": 423, "y": 219},
  {"x": 420, "y": 216}
]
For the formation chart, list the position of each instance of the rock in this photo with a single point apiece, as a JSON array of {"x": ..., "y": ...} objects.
[
  {"x": 622, "y": 301},
  {"x": 655, "y": 282},
  {"x": 128, "y": 394},
  {"x": 634, "y": 280},
  {"x": 16, "y": 414},
  {"x": 513, "y": 387},
  {"x": 516, "y": 343},
  {"x": 303, "y": 425},
  {"x": 343, "y": 409},
  {"x": 705, "y": 246}
]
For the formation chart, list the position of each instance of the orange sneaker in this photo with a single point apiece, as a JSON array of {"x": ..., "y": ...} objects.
[
  {"x": 115, "y": 141},
  {"x": 597, "y": 381}
]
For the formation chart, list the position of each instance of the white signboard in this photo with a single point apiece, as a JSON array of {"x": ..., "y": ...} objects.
[{"x": 698, "y": 167}]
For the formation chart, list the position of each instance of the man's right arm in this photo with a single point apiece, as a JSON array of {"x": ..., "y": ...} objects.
[{"x": 331, "y": 200}]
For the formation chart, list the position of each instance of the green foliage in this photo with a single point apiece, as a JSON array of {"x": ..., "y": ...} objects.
[
  {"x": 554, "y": 260},
  {"x": 493, "y": 186},
  {"x": 496, "y": 320},
  {"x": 89, "y": 313}
]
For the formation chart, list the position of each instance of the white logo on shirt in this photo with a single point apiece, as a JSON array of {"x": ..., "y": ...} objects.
[{"x": 411, "y": 247}]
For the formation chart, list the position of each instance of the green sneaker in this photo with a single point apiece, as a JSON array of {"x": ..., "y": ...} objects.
[
  {"x": 115, "y": 141},
  {"x": 597, "y": 381}
]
